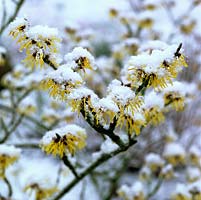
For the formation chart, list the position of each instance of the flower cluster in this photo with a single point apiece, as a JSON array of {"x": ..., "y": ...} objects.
[
  {"x": 65, "y": 140},
  {"x": 156, "y": 69},
  {"x": 40, "y": 42}
]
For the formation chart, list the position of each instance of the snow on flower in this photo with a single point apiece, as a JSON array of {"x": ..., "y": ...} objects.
[
  {"x": 65, "y": 140},
  {"x": 40, "y": 42},
  {"x": 136, "y": 191},
  {"x": 193, "y": 174},
  {"x": 175, "y": 94},
  {"x": 194, "y": 155},
  {"x": 181, "y": 192},
  {"x": 124, "y": 97},
  {"x": 153, "y": 108},
  {"x": 18, "y": 27},
  {"x": 174, "y": 153},
  {"x": 154, "y": 162},
  {"x": 82, "y": 98},
  {"x": 61, "y": 81},
  {"x": 156, "y": 69},
  {"x": 8, "y": 155},
  {"x": 80, "y": 59}
]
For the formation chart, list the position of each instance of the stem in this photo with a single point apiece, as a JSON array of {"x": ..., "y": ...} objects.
[
  {"x": 9, "y": 132},
  {"x": 93, "y": 166},
  {"x": 10, "y": 191},
  {"x": 17, "y": 9},
  {"x": 70, "y": 166},
  {"x": 156, "y": 188},
  {"x": 27, "y": 145}
]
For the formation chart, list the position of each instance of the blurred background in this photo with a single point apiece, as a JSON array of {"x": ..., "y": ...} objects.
[{"x": 112, "y": 31}]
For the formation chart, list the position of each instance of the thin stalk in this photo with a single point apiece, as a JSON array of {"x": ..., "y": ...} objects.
[{"x": 10, "y": 191}]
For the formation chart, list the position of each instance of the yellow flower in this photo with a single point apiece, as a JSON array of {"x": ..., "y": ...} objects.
[
  {"x": 153, "y": 70},
  {"x": 135, "y": 192},
  {"x": 113, "y": 13},
  {"x": 61, "y": 82},
  {"x": 8, "y": 155},
  {"x": 167, "y": 172},
  {"x": 40, "y": 192},
  {"x": 174, "y": 67},
  {"x": 18, "y": 28},
  {"x": 84, "y": 63},
  {"x": 66, "y": 140},
  {"x": 154, "y": 115},
  {"x": 133, "y": 123},
  {"x": 174, "y": 153},
  {"x": 35, "y": 58},
  {"x": 187, "y": 28},
  {"x": 82, "y": 98},
  {"x": 175, "y": 100},
  {"x": 145, "y": 173},
  {"x": 154, "y": 162},
  {"x": 180, "y": 197},
  {"x": 194, "y": 155},
  {"x": 181, "y": 193},
  {"x": 81, "y": 58},
  {"x": 145, "y": 23}
]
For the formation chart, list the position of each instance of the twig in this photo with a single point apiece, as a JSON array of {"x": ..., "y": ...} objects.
[
  {"x": 10, "y": 191},
  {"x": 92, "y": 166},
  {"x": 29, "y": 118},
  {"x": 156, "y": 188},
  {"x": 17, "y": 9},
  {"x": 4, "y": 13},
  {"x": 100, "y": 129},
  {"x": 26, "y": 93},
  {"x": 27, "y": 145},
  {"x": 70, "y": 166},
  {"x": 13, "y": 128}
]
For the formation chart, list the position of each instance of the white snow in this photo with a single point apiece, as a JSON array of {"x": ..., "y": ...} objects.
[
  {"x": 172, "y": 149},
  {"x": 153, "y": 158},
  {"x": 153, "y": 99},
  {"x": 71, "y": 128},
  {"x": 65, "y": 74},
  {"x": 9, "y": 150}
]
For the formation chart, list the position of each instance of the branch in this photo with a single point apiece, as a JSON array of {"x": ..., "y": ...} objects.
[
  {"x": 100, "y": 129},
  {"x": 17, "y": 9},
  {"x": 93, "y": 166}
]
